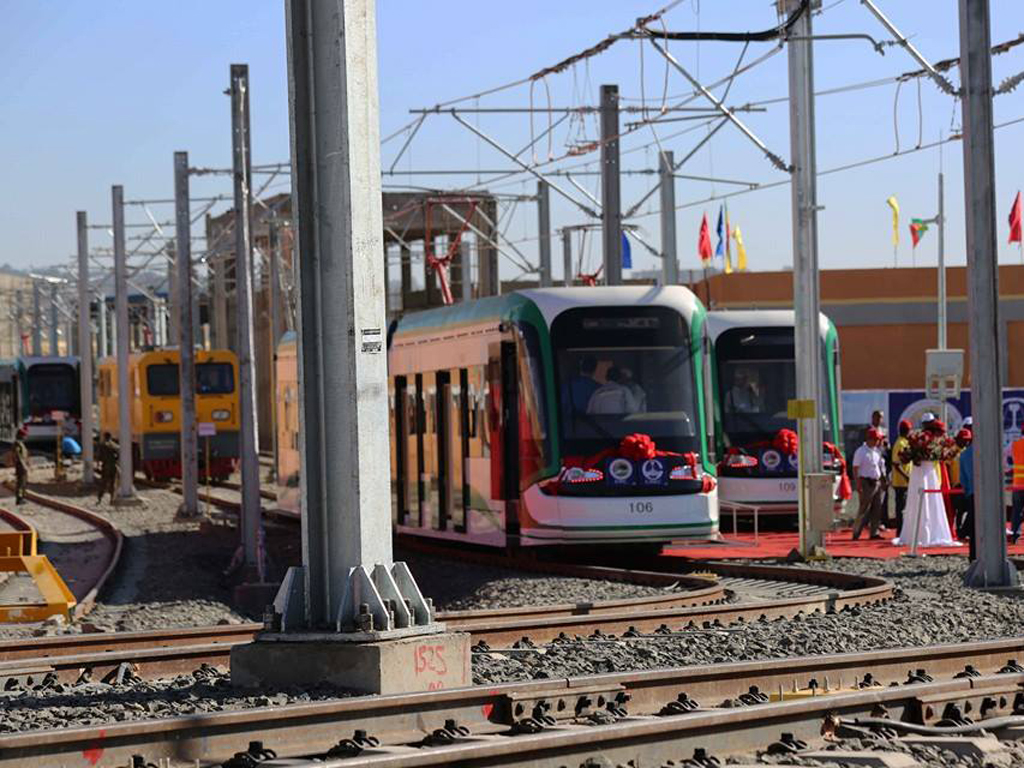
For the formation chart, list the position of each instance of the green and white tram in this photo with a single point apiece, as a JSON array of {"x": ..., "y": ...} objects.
[
  {"x": 553, "y": 416},
  {"x": 753, "y": 376}
]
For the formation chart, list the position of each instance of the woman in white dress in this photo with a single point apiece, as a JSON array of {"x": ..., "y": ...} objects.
[{"x": 933, "y": 528}]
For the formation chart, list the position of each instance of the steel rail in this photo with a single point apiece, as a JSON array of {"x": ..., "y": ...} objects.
[
  {"x": 804, "y": 689},
  {"x": 109, "y": 530},
  {"x": 155, "y": 653}
]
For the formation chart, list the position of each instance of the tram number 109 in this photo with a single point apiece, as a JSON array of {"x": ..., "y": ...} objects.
[{"x": 641, "y": 507}]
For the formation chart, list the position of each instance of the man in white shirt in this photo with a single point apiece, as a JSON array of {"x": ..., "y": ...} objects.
[
  {"x": 869, "y": 479},
  {"x": 613, "y": 397}
]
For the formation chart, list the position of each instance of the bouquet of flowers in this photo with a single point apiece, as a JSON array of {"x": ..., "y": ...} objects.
[{"x": 929, "y": 445}]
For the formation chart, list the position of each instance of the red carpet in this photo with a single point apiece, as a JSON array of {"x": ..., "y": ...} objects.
[{"x": 774, "y": 544}]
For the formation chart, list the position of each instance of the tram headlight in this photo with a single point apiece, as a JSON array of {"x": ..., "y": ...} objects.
[
  {"x": 741, "y": 461},
  {"x": 682, "y": 472},
  {"x": 163, "y": 417},
  {"x": 579, "y": 475},
  {"x": 221, "y": 414}
]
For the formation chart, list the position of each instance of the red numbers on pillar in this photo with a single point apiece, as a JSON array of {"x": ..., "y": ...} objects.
[{"x": 429, "y": 660}]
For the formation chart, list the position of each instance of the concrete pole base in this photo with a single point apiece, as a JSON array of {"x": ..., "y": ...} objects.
[
  {"x": 977, "y": 577},
  {"x": 404, "y": 665}
]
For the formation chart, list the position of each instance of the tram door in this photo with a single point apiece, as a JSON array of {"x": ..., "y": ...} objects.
[{"x": 510, "y": 439}]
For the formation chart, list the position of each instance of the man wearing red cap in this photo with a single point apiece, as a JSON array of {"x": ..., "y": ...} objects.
[
  {"x": 901, "y": 472},
  {"x": 20, "y": 466},
  {"x": 869, "y": 478}
]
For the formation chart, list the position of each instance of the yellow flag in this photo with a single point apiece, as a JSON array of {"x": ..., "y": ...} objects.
[
  {"x": 741, "y": 250},
  {"x": 895, "y": 219}
]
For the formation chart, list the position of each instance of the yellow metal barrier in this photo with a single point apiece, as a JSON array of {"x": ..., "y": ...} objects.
[{"x": 18, "y": 555}]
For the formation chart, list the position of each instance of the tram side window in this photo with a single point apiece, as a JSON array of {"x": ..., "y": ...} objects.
[
  {"x": 457, "y": 444},
  {"x": 422, "y": 507},
  {"x": 478, "y": 400},
  {"x": 431, "y": 489},
  {"x": 412, "y": 451},
  {"x": 399, "y": 449},
  {"x": 533, "y": 422}
]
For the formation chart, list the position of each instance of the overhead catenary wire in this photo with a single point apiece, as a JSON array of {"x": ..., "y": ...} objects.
[{"x": 827, "y": 172}]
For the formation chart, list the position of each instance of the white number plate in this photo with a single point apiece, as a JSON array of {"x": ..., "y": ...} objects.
[{"x": 641, "y": 507}]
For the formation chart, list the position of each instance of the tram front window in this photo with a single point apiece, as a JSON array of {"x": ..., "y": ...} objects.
[
  {"x": 624, "y": 370},
  {"x": 52, "y": 387},
  {"x": 756, "y": 381}
]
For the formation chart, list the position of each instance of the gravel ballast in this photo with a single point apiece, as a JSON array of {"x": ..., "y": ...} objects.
[
  {"x": 48, "y": 705},
  {"x": 932, "y": 607}
]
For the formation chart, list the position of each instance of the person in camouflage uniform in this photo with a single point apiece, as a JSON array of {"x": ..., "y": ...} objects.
[
  {"x": 20, "y": 466},
  {"x": 108, "y": 455}
]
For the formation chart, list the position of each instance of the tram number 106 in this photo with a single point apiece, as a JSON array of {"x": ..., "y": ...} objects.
[{"x": 641, "y": 507}]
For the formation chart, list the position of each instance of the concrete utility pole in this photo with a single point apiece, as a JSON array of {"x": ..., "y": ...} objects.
[
  {"x": 54, "y": 322},
  {"x": 242, "y": 166},
  {"x": 611, "y": 192},
  {"x": 348, "y": 587},
  {"x": 85, "y": 344},
  {"x": 941, "y": 221},
  {"x": 126, "y": 491},
  {"x": 101, "y": 341},
  {"x": 466, "y": 262},
  {"x": 567, "y": 257},
  {"x": 544, "y": 233},
  {"x": 173, "y": 298},
  {"x": 37, "y": 319},
  {"x": 991, "y": 569},
  {"x": 187, "y": 369},
  {"x": 19, "y": 325},
  {"x": 667, "y": 190},
  {"x": 275, "y": 330},
  {"x": 806, "y": 299}
]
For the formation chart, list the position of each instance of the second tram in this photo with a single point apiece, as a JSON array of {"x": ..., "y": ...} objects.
[
  {"x": 753, "y": 376},
  {"x": 548, "y": 416}
]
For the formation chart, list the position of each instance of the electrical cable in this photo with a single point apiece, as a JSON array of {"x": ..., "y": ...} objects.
[
  {"x": 764, "y": 36},
  {"x": 829, "y": 171}
]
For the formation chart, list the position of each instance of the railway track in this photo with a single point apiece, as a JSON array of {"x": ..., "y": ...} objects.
[
  {"x": 703, "y": 603},
  {"x": 85, "y": 557},
  {"x": 648, "y": 717}
]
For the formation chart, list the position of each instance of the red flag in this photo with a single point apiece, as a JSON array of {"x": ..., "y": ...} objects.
[
  {"x": 1015, "y": 216},
  {"x": 704, "y": 243}
]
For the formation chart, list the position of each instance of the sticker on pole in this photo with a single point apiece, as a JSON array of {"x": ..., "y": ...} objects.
[
  {"x": 372, "y": 340},
  {"x": 206, "y": 429}
]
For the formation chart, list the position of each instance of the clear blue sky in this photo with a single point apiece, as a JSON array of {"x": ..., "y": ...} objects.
[{"x": 102, "y": 93}]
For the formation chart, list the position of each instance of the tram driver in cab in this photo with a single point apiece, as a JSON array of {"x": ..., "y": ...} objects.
[
  {"x": 745, "y": 395},
  {"x": 620, "y": 394}
]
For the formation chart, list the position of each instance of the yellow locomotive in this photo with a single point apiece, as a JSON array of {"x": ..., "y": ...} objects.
[{"x": 156, "y": 410}]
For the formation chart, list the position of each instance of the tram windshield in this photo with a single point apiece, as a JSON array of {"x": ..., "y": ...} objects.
[
  {"x": 211, "y": 379},
  {"x": 624, "y": 370},
  {"x": 52, "y": 387},
  {"x": 756, "y": 381}
]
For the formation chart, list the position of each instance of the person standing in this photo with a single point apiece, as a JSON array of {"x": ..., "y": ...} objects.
[
  {"x": 966, "y": 529},
  {"x": 108, "y": 454},
  {"x": 1017, "y": 486},
  {"x": 900, "y": 472},
  {"x": 878, "y": 422},
  {"x": 869, "y": 477},
  {"x": 21, "y": 461}
]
